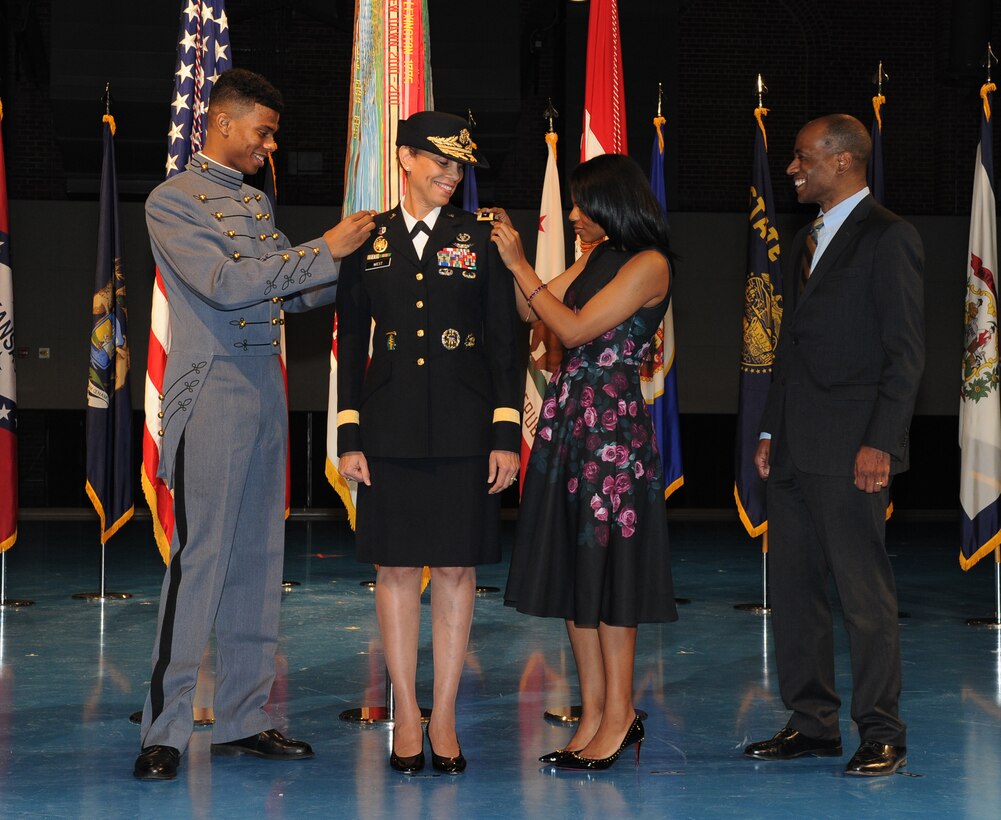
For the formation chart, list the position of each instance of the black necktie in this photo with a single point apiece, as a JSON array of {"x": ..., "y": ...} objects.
[{"x": 420, "y": 227}]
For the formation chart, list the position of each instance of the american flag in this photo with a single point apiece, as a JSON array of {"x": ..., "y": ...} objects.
[{"x": 203, "y": 53}]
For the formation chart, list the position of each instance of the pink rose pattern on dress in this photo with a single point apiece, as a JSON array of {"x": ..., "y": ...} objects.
[{"x": 595, "y": 431}]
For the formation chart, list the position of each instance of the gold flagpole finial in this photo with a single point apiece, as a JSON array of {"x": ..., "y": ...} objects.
[
  {"x": 879, "y": 78},
  {"x": 989, "y": 61},
  {"x": 550, "y": 114},
  {"x": 107, "y": 108},
  {"x": 660, "y": 99}
]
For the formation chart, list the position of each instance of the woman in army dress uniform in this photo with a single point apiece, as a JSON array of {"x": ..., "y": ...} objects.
[{"x": 430, "y": 429}]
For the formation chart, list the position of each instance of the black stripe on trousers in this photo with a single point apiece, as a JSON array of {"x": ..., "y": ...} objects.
[{"x": 156, "y": 695}]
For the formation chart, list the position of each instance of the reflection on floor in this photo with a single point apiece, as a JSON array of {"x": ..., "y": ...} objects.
[{"x": 72, "y": 671}]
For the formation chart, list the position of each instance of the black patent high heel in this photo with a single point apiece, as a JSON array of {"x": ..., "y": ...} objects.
[
  {"x": 447, "y": 765},
  {"x": 410, "y": 764},
  {"x": 635, "y": 734},
  {"x": 554, "y": 757}
]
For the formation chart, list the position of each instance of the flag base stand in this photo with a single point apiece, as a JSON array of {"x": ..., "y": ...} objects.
[
  {"x": 14, "y": 603},
  {"x": 287, "y": 585},
  {"x": 5, "y": 602},
  {"x": 486, "y": 590},
  {"x": 202, "y": 717},
  {"x": 379, "y": 714},
  {"x": 989, "y": 623},
  {"x": 101, "y": 596},
  {"x": 571, "y": 714},
  {"x": 754, "y": 609}
]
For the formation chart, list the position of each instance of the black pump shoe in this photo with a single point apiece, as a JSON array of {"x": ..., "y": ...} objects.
[
  {"x": 407, "y": 765},
  {"x": 447, "y": 765}
]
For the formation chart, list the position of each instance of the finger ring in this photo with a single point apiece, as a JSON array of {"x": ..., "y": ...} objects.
[{"x": 879, "y": 483}]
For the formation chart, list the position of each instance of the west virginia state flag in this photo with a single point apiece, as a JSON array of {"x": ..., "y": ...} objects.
[
  {"x": 109, "y": 404},
  {"x": 980, "y": 400},
  {"x": 762, "y": 318}
]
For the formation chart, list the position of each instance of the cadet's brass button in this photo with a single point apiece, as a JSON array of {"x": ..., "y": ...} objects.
[
  {"x": 204, "y": 166},
  {"x": 159, "y": 432},
  {"x": 160, "y": 415},
  {"x": 258, "y": 217},
  {"x": 285, "y": 257},
  {"x": 230, "y": 233},
  {"x": 420, "y": 334},
  {"x": 420, "y": 277},
  {"x": 420, "y": 362},
  {"x": 316, "y": 251},
  {"x": 257, "y": 197},
  {"x": 274, "y": 300},
  {"x": 202, "y": 197},
  {"x": 217, "y": 214},
  {"x": 243, "y": 323},
  {"x": 262, "y": 236},
  {"x": 236, "y": 254},
  {"x": 420, "y": 303},
  {"x": 274, "y": 343},
  {"x": 246, "y": 197}
]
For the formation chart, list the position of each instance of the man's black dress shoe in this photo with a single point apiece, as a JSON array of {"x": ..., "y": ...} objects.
[
  {"x": 873, "y": 759},
  {"x": 157, "y": 763},
  {"x": 789, "y": 743},
  {"x": 271, "y": 744}
]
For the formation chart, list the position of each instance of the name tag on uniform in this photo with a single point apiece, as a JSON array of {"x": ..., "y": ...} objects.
[{"x": 375, "y": 261}]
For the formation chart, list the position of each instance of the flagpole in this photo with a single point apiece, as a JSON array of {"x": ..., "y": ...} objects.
[
  {"x": 106, "y": 533},
  {"x": 5, "y": 603}
]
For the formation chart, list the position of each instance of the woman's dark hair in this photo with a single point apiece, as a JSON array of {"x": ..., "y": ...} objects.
[{"x": 612, "y": 191}]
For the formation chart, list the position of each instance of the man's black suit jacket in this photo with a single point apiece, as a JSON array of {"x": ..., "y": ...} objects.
[{"x": 851, "y": 345}]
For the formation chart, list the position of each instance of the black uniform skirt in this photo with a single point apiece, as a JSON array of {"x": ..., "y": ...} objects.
[{"x": 432, "y": 512}]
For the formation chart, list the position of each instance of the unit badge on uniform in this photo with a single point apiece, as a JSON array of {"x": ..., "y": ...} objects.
[
  {"x": 450, "y": 339},
  {"x": 463, "y": 237},
  {"x": 380, "y": 244},
  {"x": 382, "y": 230},
  {"x": 391, "y": 340}
]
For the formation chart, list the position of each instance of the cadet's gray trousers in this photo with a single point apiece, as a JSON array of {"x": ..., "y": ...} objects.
[{"x": 225, "y": 555}]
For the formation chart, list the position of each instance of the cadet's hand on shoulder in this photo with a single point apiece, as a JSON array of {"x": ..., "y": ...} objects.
[{"x": 349, "y": 234}]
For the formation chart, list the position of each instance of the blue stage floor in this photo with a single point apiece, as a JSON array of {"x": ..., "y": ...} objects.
[{"x": 71, "y": 673}]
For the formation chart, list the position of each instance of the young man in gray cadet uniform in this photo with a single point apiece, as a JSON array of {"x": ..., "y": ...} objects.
[{"x": 223, "y": 425}]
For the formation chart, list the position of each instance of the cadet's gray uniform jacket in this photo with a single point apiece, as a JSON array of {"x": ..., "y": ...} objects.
[{"x": 228, "y": 273}]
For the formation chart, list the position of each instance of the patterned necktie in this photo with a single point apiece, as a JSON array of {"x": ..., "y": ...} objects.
[{"x": 810, "y": 249}]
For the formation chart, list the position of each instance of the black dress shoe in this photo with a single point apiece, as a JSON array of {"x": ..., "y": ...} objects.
[
  {"x": 157, "y": 763},
  {"x": 789, "y": 743},
  {"x": 271, "y": 744},
  {"x": 447, "y": 765},
  {"x": 873, "y": 759}
]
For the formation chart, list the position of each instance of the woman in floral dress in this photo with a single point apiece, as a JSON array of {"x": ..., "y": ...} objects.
[{"x": 591, "y": 544}]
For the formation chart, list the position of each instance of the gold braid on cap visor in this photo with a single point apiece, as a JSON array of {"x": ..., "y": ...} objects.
[{"x": 458, "y": 147}]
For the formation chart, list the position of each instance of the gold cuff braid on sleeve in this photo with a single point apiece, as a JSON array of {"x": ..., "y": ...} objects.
[
  {"x": 348, "y": 417},
  {"x": 507, "y": 414}
]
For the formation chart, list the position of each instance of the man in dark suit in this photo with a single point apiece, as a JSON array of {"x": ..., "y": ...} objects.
[{"x": 834, "y": 432}]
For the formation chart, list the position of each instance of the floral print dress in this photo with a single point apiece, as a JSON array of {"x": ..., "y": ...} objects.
[{"x": 591, "y": 543}]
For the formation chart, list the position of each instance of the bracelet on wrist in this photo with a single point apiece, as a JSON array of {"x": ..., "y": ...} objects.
[{"x": 535, "y": 293}]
